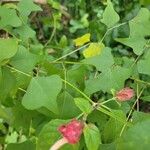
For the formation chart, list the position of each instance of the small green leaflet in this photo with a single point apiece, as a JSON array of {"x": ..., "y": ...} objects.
[
  {"x": 92, "y": 137},
  {"x": 110, "y": 17},
  {"x": 8, "y": 48},
  {"x": 84, "y": 105},
  {"x": 42, "y": 92}
]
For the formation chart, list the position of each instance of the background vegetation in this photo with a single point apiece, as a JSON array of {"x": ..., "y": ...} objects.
[{"x": 66, "y": 59}]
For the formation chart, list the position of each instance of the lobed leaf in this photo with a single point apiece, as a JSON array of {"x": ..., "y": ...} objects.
[{"x": 42, "y": 92}]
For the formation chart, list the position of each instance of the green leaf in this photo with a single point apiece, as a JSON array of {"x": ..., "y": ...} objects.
[
  {"x": 3, "y": 113},
  {"x": 108, "y": 146},
  {"x": 98, "y": 118},
  {"x": 131, "y": 139},
  {"x": 12, "y": 137},
  {"x": 92, "y": 137},
  {"x": 0, "y": 75},
  {"x": 139, "y": 29},
  {"x": 113, "y": 127},
  {"x": 76, "y": 76},
  {"x": 110, "y": 17},
  {"x": 42, "y": 92},
  {"x": 136, "y": 43},
  {"x": 10, "y": 5},
  {"x": 25, "y": 7},
  {"x": 84, "y": 105},
  {"x": 143, "y": 64},
  {"x": 65, "y": 104},
  {"x": 63, "y": 42},
  {"x": 24, "y": 60},
  {"x": 112, "y": 79},
  {"x": 138, "y": 116},
  {"x": 145, "y": 98},
  {"x": 21, "y": 146},
  {"x": 103, "y": 61},
  {"x": 54, "y": 4},
  {"x": 8, "y": 17},
  {"x": 145, "y": 2},
  {"x": 113, "y": 114},
  {"x": 25, "y": 32},
  {"x": 8, "y": 48},
  {"x": 140, "y": 25},
  {"x": 93, "y": 50},
  {"x": 21, "y": 118},
  {"x": 7, "y": 85}
]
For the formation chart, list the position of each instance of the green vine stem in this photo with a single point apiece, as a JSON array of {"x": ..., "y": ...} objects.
[{"x": 130, "y": 112}]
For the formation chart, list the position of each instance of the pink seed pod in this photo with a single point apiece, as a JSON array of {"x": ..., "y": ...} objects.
[
  {"x": 72, "y": 131},
  {"x": 125, "y": 94}
]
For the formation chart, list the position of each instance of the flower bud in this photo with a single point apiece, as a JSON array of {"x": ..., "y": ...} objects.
[
  {"x": 125, "y": 94},
  {"x": 72, "y": 131}
]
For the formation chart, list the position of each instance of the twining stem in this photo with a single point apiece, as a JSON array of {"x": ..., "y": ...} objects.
[
  {"x": 111, "y": 114},
  {"x": 107, "y": 108},
  {"x": 16, "y": 70},
  {"x": 108, "y": 30},
  {"x": 112, "y": 99},
  {"x": 22, "y": 90},
  {"x": 80, "y": 115},
  {"x": 72, "y": 52},
  {"x": 130, "y": 113},
  {"x": 65, "y": 73},
  {"x": 89, "y": 43},
  {"x": 137, "y": 91},
  {"x": 136, "y": 60},
  {"x": 53, "y": 33},
  {"x": 58, "y": 144},
  {"x": 70, "y": 62},
  {"x": 109, "y": 100},
  {"x": 141, "y": 81},
  {"x": 83, "y": 94},
  {"x": 66, "y": 82}
]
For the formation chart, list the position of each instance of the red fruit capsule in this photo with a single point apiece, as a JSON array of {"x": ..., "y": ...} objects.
[
  {"x": 72, "y": 131},
  {"x": 125, "y": 94}
]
